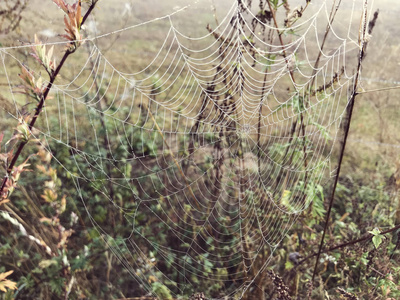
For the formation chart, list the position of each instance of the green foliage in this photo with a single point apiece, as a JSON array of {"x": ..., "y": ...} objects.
[
  {"x": 377, "y": 237},
  {"x": 161, "y": 291}
]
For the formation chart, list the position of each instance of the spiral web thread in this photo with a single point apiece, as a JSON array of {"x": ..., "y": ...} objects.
[{"x": 221, "y": 141}]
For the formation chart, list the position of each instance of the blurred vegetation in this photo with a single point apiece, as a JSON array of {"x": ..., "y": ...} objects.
[{"x": 49, "y": 249}]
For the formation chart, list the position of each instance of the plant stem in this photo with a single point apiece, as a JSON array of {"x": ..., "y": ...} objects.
[
  {"x": 350, "y": 108},
  {"x": 41, "y": 105}
]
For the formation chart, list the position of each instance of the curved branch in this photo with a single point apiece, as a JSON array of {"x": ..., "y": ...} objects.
[{"x": 41, "y": 104}]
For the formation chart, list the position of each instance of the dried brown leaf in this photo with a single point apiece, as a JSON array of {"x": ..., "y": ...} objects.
[{"x": 5, "y": 283}]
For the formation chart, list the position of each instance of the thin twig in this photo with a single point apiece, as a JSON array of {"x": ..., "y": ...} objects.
[
  {"x": 346, "y": 244},
  {"x": 346, "y": 133}
]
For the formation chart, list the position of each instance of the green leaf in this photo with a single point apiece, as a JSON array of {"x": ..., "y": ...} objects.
[
  {"x": 377, "y": 237},
  {"x": 377, "y": 240},
  {"x": 376, "y": 231},
  {"x": 161, "y": 291},
  {"x": 288, "y": 265}
]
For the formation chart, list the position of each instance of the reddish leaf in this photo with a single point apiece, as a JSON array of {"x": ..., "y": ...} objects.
[{"x": 72, "y": 22}]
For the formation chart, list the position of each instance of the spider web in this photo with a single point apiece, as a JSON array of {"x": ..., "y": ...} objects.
[{"x": 221, "y": 141}]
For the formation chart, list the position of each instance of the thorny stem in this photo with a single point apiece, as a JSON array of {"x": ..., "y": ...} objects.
[{"x": 41, "y": 104}]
